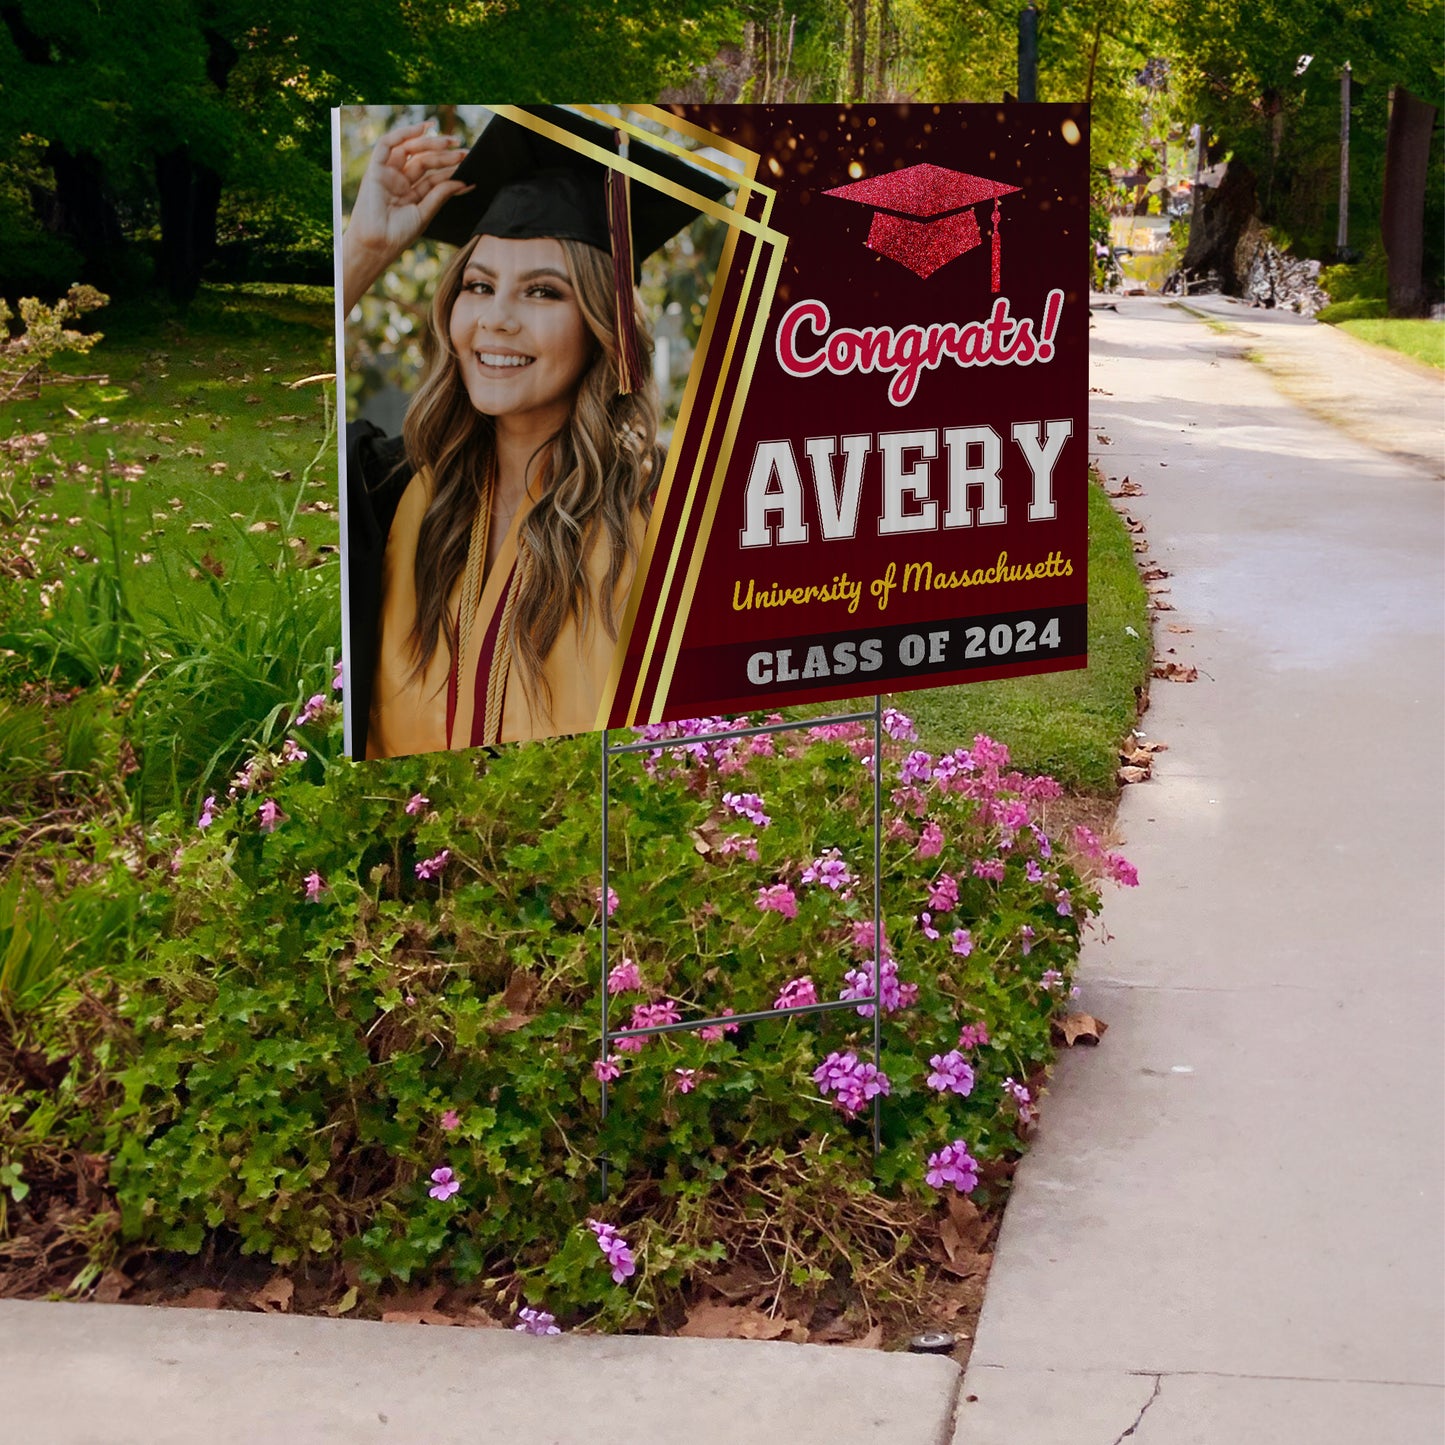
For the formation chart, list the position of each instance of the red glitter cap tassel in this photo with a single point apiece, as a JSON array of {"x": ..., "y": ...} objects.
[
  {"x": 619, "y": 223},
  {"x": 997, "y": 252}
]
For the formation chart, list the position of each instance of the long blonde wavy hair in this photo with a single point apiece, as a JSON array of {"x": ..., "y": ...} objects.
[{"x": 599, "y": 469}]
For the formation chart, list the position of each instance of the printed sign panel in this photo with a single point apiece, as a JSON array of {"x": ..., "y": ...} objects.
[{"x": 811, "y": 427}]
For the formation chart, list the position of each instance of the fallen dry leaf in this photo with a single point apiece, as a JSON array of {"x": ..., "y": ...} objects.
[
  {"x": 200, "y": 1299},
  {"x": 1133, "y": 775},
  {"x": 517, "y": 999},
  {"x": 264, "y": 527},
  {"x": 1161, "y": 604},
  {"x": 1080, "y": 1029},
  {"x": 741, "y": 1282},
  {"x": 1175, "y": 672},
  {"x": 217, "y": 468},
  {"x": 710, "y": 1320},
  {"x": 1179, "y": 627},
  {"x": 1137, "y": 756},
  {"x": 972, "y": 1227},
  {"x": 1155, "y": 573},
  {"x": 873, "y": 1340},
  {"x": 344, "y": 1305},
  {"x": 274, "y": 1297},
  {"x": 213, "y": 565},
  {"x": 417, "y": 1317},
  {"x": 112, "y": 1287}
]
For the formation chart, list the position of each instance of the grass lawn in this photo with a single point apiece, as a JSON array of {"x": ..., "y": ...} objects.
[
  {"x": 213, "y": 462},
  {"x": 1065, "y": 723},
  {"x": 1422, "y": 340}
]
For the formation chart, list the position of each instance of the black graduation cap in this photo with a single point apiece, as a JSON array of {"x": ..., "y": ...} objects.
[{"x": 527, "y": 185}]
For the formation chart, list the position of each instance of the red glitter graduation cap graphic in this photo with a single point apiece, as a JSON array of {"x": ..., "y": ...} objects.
[{"x": 924, "y": 215}]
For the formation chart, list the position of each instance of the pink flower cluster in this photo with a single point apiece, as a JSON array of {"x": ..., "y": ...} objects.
[
  {"x": 943, "y": 893},
  {"x": 991, "y": 868},
  {"x": 739, "y": 843},
  {"x": 917, "y": 767},
  {"x": 930, "y": 841},
  {"x": 417, "y": 803},
  {"x": 611, "y": 900},
  {"x": 973, "y": 1036},
  {"x": 291, "y": 753},
  {"x": 837, "y": 733},
  {"x": 268, "y": 815},
  {"x": 829, "y": 871},
  {"x": 625, "y": 977},
  {"x": 899, "y": 726},
  {"x": 713, "y": 1033},
  {"x": 851, "y": 1083},
  {"x": 953, "y": 1165},
  {"x": 952, "y": 1073},
  {"x": 962, "y": 943},
  {"x": 614, "y": 1250},
  {"x": 316, "y": 705},
  {"x": 1118, "y": 867},
  {"x": 747, "y": 805},
  {"x": 608, "y": 1069},
  {"x": 686, "y": 1080},
  {"x": 892, "y": 994},
  {"x": 649, "y": 1016},
  {"x": 778, "y": 898},
  {"x": 536, "y": 1322},
  {"x": 208, "y": 813},
  {"x": 433, "y": 867},
  {"x": 796, "y": 993},
  {"x": 315, "y": 883},
  {"x": 1023, "y": 1100}
]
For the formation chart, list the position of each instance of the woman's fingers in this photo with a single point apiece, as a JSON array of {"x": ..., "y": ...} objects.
[{"x": 438, "y": 196}]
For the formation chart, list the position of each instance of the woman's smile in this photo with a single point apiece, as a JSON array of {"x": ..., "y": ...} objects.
[{"x": 521, "y": 342}]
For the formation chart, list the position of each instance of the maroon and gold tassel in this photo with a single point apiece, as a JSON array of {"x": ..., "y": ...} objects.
[{"x": 619, "y": 223}]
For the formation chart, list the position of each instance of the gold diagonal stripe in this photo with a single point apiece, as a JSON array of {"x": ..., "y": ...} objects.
[
  {"x": 693, "y": 484},
  {"x": 635, "y": 171},
  {"x": 655, "y": 522},
  {"x": 750, "y": 361}
]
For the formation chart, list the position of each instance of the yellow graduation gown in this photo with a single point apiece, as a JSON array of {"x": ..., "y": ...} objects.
[{"x": 410, "y": 716}]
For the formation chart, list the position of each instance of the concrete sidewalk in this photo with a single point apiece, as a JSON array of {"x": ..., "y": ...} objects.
[
  {"x": 1230, "y": 1227},
  {"x": 74, "y": 1374}
]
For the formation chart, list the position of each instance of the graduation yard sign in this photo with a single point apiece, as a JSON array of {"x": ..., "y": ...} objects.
[{"x": 875, "y": 468}]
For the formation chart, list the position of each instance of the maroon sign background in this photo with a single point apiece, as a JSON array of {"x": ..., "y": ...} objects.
[{"x": 894, "y": 497}]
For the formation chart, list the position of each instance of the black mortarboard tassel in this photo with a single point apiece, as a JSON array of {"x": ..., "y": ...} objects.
[{"x": 526, "y": 185}]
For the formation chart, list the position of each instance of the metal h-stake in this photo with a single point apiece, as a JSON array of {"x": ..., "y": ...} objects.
[{"x": 610, "y": 1035}]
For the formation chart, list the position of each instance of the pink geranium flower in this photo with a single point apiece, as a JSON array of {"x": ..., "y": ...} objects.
[
  {"x": 314, "y": 886},
  {"x": 208, "y": 813},
  {"x": 451, "y": 1120},
  {"x": 269, "y": 815},
  {"x": 778, "y": 898},
  {"x": 433, "y": 867},
  {"x": 417, "y": 803},
  {"x": 686, "y": 1080},
  {"x": 796, "y": 993},
  {"x": 444, "y": 1183}
]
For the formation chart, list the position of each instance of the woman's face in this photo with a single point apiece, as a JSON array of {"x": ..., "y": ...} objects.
[{"x": 518, "y": 333}]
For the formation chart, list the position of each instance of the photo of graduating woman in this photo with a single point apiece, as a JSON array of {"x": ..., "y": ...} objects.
[{"x": 493, "y": 516}]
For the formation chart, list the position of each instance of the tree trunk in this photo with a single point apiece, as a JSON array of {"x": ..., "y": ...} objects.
[
  {"x": 84, "y": 211},
  {"x": 882, "y": 50},
  {"x": 1221, "y": 233},
  {"x": 859, "y": 54},
  {"x": 1402, "y": 215},
  {"x": 190, "y": 196}
]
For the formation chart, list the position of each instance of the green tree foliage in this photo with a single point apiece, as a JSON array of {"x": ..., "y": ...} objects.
[
  {"x": 1265, "y": 79},
  {"x": 189, "y": 122}
]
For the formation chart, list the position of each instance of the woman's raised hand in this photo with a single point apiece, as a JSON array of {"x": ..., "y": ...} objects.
[{"x": 407, "y": 181}]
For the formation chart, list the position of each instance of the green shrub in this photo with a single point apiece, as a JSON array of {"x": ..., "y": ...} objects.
[
  {"x": 363, "y": 975},
  {"x": 1359, "y": 309}
]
